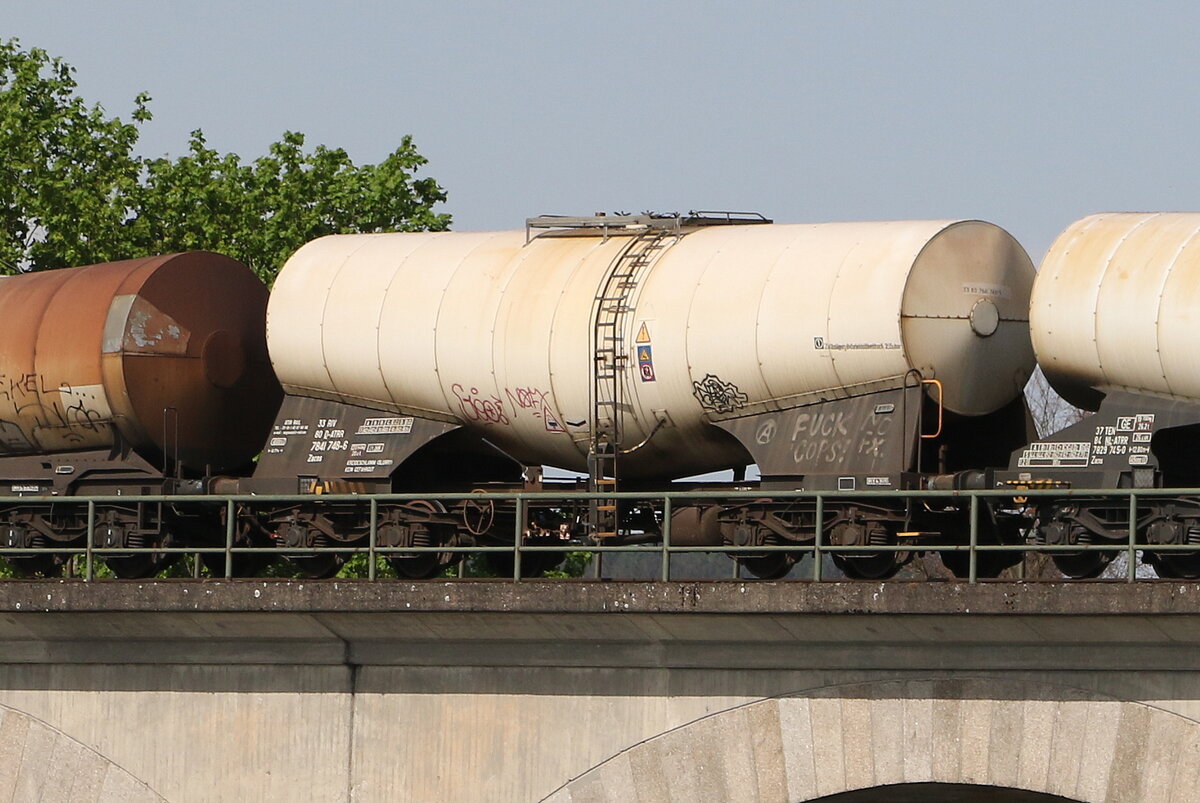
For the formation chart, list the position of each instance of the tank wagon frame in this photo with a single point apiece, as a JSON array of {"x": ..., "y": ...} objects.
[
  {"x": 337, "y": 433},
  {"x": 1113, "y": 323}
]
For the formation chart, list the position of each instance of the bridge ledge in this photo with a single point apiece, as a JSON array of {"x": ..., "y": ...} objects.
[{"x": 591, "y": 597}]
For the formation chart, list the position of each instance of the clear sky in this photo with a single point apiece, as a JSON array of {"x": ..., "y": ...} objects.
[{"x": 1027, "y": 114}]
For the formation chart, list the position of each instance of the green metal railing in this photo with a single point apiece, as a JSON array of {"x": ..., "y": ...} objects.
[{"x": 664, "y": 501}]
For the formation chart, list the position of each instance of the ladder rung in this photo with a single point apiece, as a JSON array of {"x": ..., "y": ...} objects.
[
  {"x": 606, "y": 535},
  {"x": 606, "y": 508},
  {"x": 605, "y": 481}
]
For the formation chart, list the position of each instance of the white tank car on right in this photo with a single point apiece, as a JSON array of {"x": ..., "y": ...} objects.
[{"x": 1116, "y": 307}]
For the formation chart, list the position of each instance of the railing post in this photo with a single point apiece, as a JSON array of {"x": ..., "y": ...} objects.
[
  {"x": 1131, "y": 569},
  {"x": 666, "y": 540},
  {"x": 230, "y": 520},
  {"x": 973, "y": 554},
  {"x": 518, "y": 535},
  {"x": 89, "y": 572},
  {"x": 371, "y": 539},
  {"x": 817, "y": 557}
]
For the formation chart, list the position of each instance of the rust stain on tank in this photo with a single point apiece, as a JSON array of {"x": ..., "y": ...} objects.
[{"x": 146, "y": 330}]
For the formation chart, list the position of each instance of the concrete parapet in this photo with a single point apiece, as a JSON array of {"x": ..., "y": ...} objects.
[
  {"x": 649, "y": 691},
  {"x": 602, "y": 597},
  {"x": 700, "y": 625}
]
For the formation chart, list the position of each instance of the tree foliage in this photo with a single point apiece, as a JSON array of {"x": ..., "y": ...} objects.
[
  {"x": 73, "y": 191},
  {"x": 1050, "y": 411}
]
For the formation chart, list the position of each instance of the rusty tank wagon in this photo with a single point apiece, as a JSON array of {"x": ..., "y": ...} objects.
[{"x": 139, "y": 377}]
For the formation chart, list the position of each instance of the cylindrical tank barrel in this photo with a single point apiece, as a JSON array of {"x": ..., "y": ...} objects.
[
  {"x": 499, "y": 334},
  {"x": 166, "y": 354},
  {"x": 1115, "y": 307}
]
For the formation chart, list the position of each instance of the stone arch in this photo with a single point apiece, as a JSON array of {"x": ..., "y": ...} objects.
[
  {"x": 40, "y": 762},
  {"x": 973, "y": 731}
]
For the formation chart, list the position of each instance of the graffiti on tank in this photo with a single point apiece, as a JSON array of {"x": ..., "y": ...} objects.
[
  {"x": 717, "y": 396},
  {"x": 12, "y": 438},
  {"x": 873, "y": 436},
  {"x": 830, "y": 436},
  {"x": 537, "y": 403},
  {"x": 37, "y": 407},
  {"x": 475, "y": 407},
  {"x": 820, "y": 437},
  {"x": 20, "y": 386}
]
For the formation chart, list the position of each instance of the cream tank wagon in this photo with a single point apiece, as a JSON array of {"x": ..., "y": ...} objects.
[
  {"x": 641, "y": 349},
  {"x": 1114, "y": 322}
]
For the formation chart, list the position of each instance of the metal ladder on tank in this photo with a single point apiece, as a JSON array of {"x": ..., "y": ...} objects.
[{"x": 610, "y": 360}]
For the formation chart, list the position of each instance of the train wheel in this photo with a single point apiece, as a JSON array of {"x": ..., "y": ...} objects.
[
  {"x": 19, "y": 535},
  {"x": 1076, "y": 565},
  {"x": 36, "y": 565},
  {"x": 416, "y": 565},
  {"x": 1082, "y": 565},
  {"x": 871, "y": 565},
  {"x": 987, "y": 564},
  {"x": 533, "y": 564},
  {"x": 139, "y": 565},
  {"x": 243, "y": 565},
  {"x": 769, "y": 566},
  {"x": 248, "y": 532},
  {"x": 867, "y": 565},
  {"x": 315, "y": 565},
  {"x": 135, "y": 565},
  {"x": 423, "y": 565},
  {"x": 318, "y": 567},
  {"x": 1175, "y": 565}
]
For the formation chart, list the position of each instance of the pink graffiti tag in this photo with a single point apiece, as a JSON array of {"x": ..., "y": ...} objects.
[
  {"x": 536, "y": 401},
  {"x": 479, "y": 408}
]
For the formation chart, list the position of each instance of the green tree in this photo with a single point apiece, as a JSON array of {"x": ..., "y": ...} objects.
[
  {"x": 65, "y": 167},
  {"x": 74, "y": 192},
  {"x": 261, "y": 212}
]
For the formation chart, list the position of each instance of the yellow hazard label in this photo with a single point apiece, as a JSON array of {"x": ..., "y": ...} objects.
[{"x": 643, "y": 335}]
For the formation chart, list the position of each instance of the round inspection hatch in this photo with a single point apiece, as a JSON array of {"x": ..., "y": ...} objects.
[
  {"x": 223, "y": 358},
  {"x": 985, "y": 318}
]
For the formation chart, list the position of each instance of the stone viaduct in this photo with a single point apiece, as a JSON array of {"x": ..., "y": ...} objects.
[{"x": 599, "y": 691}]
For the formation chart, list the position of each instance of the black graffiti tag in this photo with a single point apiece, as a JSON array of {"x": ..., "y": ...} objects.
[{"x": 717, "y": 396}]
